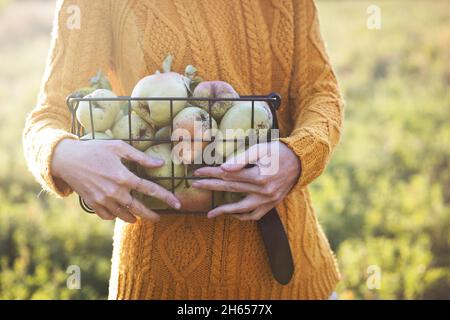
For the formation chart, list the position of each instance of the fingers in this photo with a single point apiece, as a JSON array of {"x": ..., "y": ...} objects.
[
  {"x": 151, "y": 189},
  {"x": 128, "y": 152},
  {"x": 134, "y": 206},
  {"x": 250, "y": 175},
  {"x": 102, "y": 212},
  {"x": 214, "y": 172},
  {"x": 256, "y": 214},
  {"x": 120, "y": 212},
  {"x": 230, "y": 186},
  {"x": 250, "y": 156},
  {"x": 247, "y": 204},
  {"x": 141, "y": 210}
]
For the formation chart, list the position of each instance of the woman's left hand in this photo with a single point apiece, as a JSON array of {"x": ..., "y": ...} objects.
[{"x": 276, "y": 169}]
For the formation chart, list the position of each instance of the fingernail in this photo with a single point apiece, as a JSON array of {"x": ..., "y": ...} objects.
[{"x": 177, "y": 205}]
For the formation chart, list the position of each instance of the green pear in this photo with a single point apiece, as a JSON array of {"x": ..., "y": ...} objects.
[
  {"x": 139, "y": 130},
  {"x": 103, "y": 112},
  {"x": 163, "y": 134},
  {"x": 161, "y": 85},
  {"x": 164, "y": 152},
  {"x": 237, "y": 122}
]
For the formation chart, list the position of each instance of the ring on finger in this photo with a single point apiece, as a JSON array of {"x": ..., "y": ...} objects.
[
  {"x": 128, "y": 206},
  {"x": 138, "y": 184}
]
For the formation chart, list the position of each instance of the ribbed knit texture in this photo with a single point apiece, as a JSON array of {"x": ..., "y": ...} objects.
[{"x": 259, "y": 46}]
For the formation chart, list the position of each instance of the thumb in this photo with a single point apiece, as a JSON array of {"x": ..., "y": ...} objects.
[{"x": 241, "y": 160}]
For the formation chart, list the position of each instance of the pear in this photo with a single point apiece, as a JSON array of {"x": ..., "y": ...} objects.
[
  {"x": 192, "y": 123},
  {"x": 163, "y": 135},
  {"x": 193, "y": 199},
  {"x": 103, "y": 112},
  {"x": 218, "y": 90},
  {"x": 160, "y": 85},
  {"x": 139, "y": 130},
  {"x": 164, "y": 152},
  {"x": 237, "y": 124}
]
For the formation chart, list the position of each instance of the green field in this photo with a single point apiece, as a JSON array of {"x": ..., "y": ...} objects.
[{"x": 384, "y": 200}]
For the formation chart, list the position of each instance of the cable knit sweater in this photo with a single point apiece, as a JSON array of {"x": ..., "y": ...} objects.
[{"x": 259, "y": 46}]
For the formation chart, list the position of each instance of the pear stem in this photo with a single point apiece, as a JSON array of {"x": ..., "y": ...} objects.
[{"x": 167, "y": 64}]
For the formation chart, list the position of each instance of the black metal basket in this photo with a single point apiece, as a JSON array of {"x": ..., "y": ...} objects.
[{"x": 273, "y": 100}]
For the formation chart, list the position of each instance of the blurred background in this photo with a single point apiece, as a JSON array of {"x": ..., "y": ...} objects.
[{"x": 384, "y": 200}]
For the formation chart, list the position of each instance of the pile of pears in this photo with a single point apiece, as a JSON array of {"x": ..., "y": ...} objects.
[{"x": 158, "y": 126}]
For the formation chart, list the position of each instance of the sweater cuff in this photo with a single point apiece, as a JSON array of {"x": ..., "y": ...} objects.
[
  {"x": 49, "y": 183},
  {"x": 313, "y": 154}
]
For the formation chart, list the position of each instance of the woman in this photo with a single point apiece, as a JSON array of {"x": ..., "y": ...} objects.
[{"x": 258, "y": 46}]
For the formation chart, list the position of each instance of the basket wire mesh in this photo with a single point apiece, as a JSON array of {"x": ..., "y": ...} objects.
[{"x": 273, "y": 100}]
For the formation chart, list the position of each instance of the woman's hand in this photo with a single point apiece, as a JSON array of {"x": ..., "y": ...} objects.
[
  {"x": 95, "y": 171},
  {"x": 276, "y": 170}
]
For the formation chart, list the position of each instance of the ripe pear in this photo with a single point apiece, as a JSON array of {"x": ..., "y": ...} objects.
[
  {"x": 218, "y": 90},
  {"x": 103, "y": 112},
  {"x": 164, "y": 152},
  {"x": 139, "y": 130},
  {"x": 193, "y": 199},
  {"x": 192, "y": 123},
  {"x": 237, "y": 124}
]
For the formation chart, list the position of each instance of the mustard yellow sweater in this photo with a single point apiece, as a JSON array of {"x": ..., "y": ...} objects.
[{"x": 259, "y": 46}]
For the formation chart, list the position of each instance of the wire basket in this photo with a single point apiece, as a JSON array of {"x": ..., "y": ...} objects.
[{"x": 273, "y": 100}]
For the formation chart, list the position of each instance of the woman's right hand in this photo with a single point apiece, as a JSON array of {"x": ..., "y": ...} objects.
[{"x": 95, "y": 171}]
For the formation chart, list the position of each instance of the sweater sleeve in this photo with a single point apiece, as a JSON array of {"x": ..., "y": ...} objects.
[
  {"x": 80, "y": 46},
  {"x": 315, "y": 102}
]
